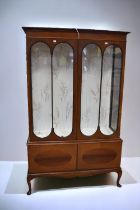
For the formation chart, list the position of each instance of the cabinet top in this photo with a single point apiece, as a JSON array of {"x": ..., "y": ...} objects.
[
  {"x": 75, "y": 34},
  {"x": 74, "y": 30}
]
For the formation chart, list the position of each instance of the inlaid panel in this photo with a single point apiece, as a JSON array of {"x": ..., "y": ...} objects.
[
  {"x": 99, "y": 155},
  {"x": 52, "y": 157},
  {"x": 95, "y": 156}
]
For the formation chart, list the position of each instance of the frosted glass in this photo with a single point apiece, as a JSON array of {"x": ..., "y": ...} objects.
[
  {"x": 41, "y": 89},
  {"x": 90, "y": 93},
  {"x": 110, "y": 90},
  {"x": 62, "y": 89}
]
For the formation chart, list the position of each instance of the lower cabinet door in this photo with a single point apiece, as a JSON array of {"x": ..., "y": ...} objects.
[
  {"x": 51, "y": 157},
  {"x": 99, "y": 155}
]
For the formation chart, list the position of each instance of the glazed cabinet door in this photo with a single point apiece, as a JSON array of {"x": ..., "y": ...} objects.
[
  {"x": 100, "y": 70},
  {"x": 53, "y": 89}
]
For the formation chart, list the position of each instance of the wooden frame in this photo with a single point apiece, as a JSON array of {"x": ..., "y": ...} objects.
[{"x": 71, "y": 151}]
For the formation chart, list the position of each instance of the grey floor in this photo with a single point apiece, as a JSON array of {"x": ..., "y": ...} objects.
[{"x": 97, "y": 192}]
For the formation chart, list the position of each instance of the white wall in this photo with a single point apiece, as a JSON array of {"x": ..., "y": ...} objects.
[{"x": 99, "y": 14}]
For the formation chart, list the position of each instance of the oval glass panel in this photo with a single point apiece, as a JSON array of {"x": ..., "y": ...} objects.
[
  {"x": 111, "y": 75},
  {"x": 90, "y": 92},
  {"x": 41, "y": 89},
  {"x": 62, "y": 89}
]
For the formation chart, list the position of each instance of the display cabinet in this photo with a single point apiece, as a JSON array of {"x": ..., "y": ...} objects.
[{"x": 75, "y": 88}]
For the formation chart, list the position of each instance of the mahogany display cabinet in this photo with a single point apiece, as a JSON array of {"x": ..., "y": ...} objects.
[{"x": 75, "y": 88}]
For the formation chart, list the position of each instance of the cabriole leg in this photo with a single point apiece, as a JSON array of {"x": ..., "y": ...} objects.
[
  {"x": 29, "y": 178},
  {"x": 119, "y": 172}
]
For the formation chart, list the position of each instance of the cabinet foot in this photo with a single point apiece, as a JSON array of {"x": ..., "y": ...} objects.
[
  {"x": 119, "y": 172},
  {"x": 29, "y": 178}
]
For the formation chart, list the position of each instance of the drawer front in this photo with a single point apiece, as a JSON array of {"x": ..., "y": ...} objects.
[
  {"x": 51, "y": 157},
  {"x": 99, "y": 155}
]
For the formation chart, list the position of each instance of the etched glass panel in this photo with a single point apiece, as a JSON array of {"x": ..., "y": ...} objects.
[
  {"x": 62, "y": 89},
  {"x": 112, "y": 64},
  {"x": 90, "y": 92},
  {"x": 41, "y": 89}
]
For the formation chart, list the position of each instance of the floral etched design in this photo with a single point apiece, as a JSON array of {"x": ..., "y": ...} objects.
[
  {"x": 41, "y": 89},
  {"x": 91, "y": 75},
  {"x": 62, "y": 89}
]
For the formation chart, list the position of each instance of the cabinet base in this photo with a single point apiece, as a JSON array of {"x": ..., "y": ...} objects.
[{"x": 72, "y": 174}]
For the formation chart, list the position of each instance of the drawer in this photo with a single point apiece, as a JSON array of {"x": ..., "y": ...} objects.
[
  {"x": 51, "y": 157},
  {"x": 99, "y": 155}
]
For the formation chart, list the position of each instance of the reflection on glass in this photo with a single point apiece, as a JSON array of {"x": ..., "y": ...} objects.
[
  {"x": 90, "y": 93},
  {"x": 62, "y": 89},
  {"x": 41, "y": 89},
  {"x": 110, "y": 89}
]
